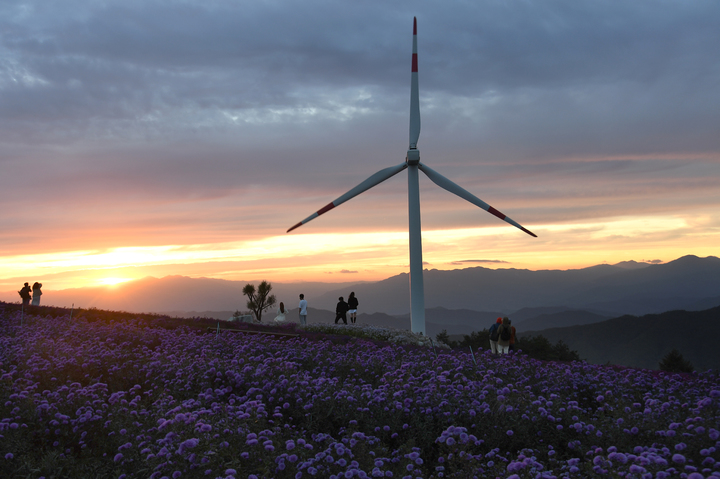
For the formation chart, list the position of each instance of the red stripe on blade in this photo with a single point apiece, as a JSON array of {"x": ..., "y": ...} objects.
[
  {"x": 529, "y": 232},
  {"x": 414, "y": 25},
  {"x": 326, "y": 208},
  {"x": 414, "y": 63},
  {"x": 296, "y": 226},
  {"x": 496, "y": 213}
]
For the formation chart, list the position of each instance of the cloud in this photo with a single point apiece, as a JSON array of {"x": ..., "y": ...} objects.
[
  {"x": 652, "y": 261},
  {"x": 486, "y": 261},
  {"x": 345, "y": 271}
]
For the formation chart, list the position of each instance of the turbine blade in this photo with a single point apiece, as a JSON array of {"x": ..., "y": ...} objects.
[
  {"x": 414, "y": 95},
  {"x": 448, "y": 185},
  {"x": 375, "y": 179}
]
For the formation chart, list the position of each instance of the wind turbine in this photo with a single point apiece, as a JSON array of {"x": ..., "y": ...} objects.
[{"x": 412, "y": 164}]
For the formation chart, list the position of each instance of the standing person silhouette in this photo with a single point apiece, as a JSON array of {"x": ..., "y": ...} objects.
[
  {"x": 25, "y": 294},
  {"x": 504, "y": 336},
  {"x": 341, "y": 310},
  {"x": 494, "y": 335},
  {"x": 352, "y": 303},
  {"x": 302, "y": 310},
  {"x": 36, "y": 293},
  {"x": 512, "y": 340}
]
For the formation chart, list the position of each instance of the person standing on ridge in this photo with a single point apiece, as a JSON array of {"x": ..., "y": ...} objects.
[
  {"x": 341, "y": 311},
  {"x": 302, "y": 310},
  {"x": 36, "y": 293},
  {"x": 494, "y": 336},
  {"x": 504, "y": 336},
  {"x": 352, "y": 303},
  {"x": 25, "y": 294},
  {"x": 512, "y": 340}
]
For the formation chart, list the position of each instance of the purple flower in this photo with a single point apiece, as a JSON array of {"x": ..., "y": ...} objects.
[
  {"x": 118, "y": 457},
  {"x": 678, "y": 458}
]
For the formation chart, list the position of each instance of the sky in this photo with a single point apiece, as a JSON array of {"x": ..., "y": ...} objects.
[{"x": 154, "y": 138}]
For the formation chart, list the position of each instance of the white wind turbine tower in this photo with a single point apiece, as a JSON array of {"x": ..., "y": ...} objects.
[{"x": 412, "y": 164}]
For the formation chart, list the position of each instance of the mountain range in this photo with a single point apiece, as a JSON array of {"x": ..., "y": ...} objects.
[{"x": 688, "y": 283}]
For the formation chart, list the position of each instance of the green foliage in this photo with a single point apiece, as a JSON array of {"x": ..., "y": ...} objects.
[
  {"x": 674, "y": 362},
  {"x": 537, "y": 347},
  {"x": 260, "y": 300},
  {"x": 476, "y": 340},
  {"x": 444, "y": 337}
]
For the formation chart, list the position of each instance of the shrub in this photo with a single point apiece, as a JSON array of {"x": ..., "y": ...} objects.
[{"x": 674, "y": 362}]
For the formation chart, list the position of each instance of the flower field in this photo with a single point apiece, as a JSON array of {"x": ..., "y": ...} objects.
[{"x": 131, "y": 399}]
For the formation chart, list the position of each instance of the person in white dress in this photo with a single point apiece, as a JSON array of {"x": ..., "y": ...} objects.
[
  {"x": 280, "y": 318},
  {"x": 36, "y": 293}
]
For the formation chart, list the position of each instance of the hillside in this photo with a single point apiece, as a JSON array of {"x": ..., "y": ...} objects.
[
  {"x": 109, "y": 395},
  {"x": 562, "y": 319},
  {"x": 643, "y": 341}
]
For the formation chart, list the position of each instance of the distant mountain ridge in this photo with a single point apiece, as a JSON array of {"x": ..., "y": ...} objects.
[
  {"x": 643, "y": 341},
  {"x": 689, "y": 283},
  {"x": 562, "y": 319},
  {"x": 612, "y": 290}
]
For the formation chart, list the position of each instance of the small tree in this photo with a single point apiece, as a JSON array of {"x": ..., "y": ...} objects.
[
  {"x": 444, "y": 337},
  {"x": 261, "y": 300},
  {"x": 674, "y": 362}
]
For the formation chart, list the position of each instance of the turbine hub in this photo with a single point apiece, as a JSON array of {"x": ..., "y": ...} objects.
[{"x": 413, "y": 156}]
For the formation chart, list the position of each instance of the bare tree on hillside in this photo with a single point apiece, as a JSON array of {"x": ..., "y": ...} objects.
[{"x": 260, "y": 300}]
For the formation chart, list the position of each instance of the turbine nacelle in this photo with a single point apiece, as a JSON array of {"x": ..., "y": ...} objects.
[{"x": 413, "y": 156}]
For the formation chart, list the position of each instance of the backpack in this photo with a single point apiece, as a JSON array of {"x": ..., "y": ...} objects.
[
  {"x": 506, "y": 334},
  {"x": 494, "y": 332}
]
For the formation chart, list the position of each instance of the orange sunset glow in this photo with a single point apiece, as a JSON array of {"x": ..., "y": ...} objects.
[{"x": 189, "y": 147}]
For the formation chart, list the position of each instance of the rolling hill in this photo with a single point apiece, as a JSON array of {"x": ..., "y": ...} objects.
[{"x": 643, "y": 341}]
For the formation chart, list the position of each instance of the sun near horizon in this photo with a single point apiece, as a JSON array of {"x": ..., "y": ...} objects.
[{"x": 365, "y": 256}]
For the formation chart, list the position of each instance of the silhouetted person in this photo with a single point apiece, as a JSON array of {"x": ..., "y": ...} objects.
[
  {"x": 512, "y": 340},
  {"x": 25, "y": 294},
  {"x": 352, "y": 307},
  {"x": 504, "y": 336},
  {"x": 302, "y": 310},
  {"x": 341, "y": 311},
  {"x": 494, "y": 335},
  {"x": 36, "y": 293}
]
